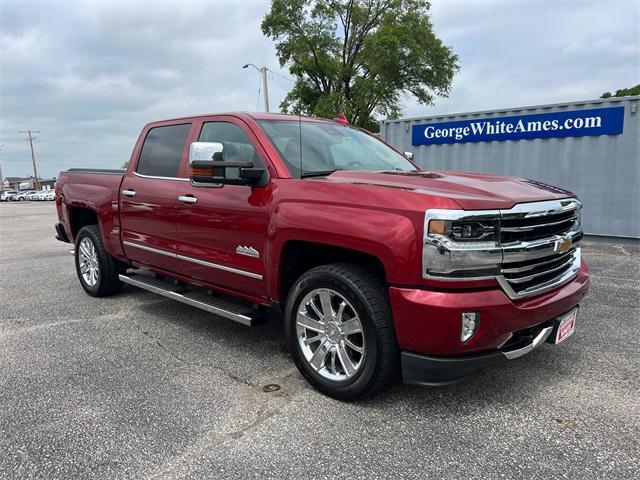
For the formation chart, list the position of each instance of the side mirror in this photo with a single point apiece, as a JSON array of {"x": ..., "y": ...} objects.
[
  {"x": 207, "y": 165},
  {"x": 409, "y": 155}
]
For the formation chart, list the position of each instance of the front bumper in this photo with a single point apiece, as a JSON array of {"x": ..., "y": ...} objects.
[
  {"x": 428, "y": 326},
  {"x": 426, "y": 370}
]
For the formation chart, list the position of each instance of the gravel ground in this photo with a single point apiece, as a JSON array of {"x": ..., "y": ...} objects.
[{"x": 136, "y": 386}]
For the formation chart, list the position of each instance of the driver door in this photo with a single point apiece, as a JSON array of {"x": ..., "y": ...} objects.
[{"x": 222, "y": 229}]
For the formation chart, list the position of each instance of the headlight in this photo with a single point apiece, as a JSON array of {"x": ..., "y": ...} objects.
[
  {"x": 461, "y": 245},
  {"x": 463, "y": 231}
]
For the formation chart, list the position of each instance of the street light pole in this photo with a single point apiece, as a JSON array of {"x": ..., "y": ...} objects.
[{"x": 265, "y": 87}]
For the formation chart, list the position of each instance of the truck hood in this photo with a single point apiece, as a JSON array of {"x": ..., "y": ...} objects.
[{"x": 470, "y": 190}]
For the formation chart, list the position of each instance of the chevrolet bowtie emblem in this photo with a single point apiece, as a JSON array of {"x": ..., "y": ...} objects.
[{"x": 563, "y": 245}]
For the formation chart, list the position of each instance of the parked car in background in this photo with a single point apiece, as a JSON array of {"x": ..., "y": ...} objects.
[
  {"x": 22, "y": 196},
  {"x": 50, "y": 195},
  {"x": 41, "y": 195},
  {"x": 5, "y": 195}
]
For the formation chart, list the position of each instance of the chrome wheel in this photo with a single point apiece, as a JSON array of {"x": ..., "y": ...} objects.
[
  {"x": 88, "y": 261},
  {"x": 330, "y": 334}
]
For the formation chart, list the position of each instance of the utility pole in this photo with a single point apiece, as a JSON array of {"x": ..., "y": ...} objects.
[
  {"x": 1, "y": 177},
  {"x": 265, "y": 87},
  {"x": 36, "y": 181}
]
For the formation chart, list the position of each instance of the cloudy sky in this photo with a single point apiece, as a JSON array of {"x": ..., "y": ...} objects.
[{"x": 89, "y": 75}]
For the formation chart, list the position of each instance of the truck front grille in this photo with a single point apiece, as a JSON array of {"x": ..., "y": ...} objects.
[
  {"x": 548, "y": 233},
  {"x": 532, "y": 249},
  {"x": 529, "y": 277}
]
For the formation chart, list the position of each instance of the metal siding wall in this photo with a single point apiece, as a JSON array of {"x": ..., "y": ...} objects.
[{"x": 604, "y": 171}]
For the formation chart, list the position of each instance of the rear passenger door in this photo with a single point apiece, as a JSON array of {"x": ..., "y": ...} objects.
[{"x": 148, "y": 198}]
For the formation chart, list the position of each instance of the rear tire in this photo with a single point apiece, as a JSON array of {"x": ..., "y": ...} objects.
[
  {"x": 97, "y": 270},
  {"x": 356, "y": 340}
]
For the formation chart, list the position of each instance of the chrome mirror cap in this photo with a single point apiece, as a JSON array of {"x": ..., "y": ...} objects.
[{"x": 204, "y": 152}]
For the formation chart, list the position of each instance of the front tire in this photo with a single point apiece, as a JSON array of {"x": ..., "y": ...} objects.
[
  {"x": 97, "y": 271},
  {"x": 340, "y": 331}
]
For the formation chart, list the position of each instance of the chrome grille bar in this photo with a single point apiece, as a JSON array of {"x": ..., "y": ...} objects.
[
  {"x": 528, "y": 278},
  {"x": 528, "y": 228},
  {"x": 536, "y": 264}
]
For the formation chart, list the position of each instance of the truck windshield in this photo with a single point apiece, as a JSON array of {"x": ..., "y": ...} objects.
[{"x": 327, "y": 147}]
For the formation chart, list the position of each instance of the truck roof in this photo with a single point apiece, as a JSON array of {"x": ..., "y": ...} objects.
[{"x": 253, "y": 115}]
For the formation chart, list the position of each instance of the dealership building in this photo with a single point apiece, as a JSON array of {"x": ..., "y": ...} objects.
[{"x": 591, "y": 148}]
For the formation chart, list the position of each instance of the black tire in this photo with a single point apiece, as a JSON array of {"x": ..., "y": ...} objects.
[
  {"x": 108, "y": 282},
  {"x": 368, "y": 294}
]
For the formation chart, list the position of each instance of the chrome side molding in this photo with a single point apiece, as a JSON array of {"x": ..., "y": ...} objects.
[{"x": 204, "y": 263}]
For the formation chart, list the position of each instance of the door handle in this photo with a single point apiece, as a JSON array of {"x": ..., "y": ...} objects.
[
  {"x": 187, "y": 198},
  {"x": 129, "y": 193}
]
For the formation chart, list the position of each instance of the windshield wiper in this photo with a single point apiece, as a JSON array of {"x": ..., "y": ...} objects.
[{"x": 319, "y": 173}]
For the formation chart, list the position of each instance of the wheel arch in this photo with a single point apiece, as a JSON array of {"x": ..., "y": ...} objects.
[
  {"x": 81, "y": 217},
  {"x": 299, "y": 256}
]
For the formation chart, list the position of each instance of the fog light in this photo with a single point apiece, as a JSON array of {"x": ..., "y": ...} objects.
[{"x": 469, "y": 325}]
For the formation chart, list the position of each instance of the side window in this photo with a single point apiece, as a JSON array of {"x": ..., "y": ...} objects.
[
  {"x": 237, "y": 146},
  {"x": 162, "y": 150}
]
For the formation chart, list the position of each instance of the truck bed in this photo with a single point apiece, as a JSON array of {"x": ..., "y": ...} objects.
[
  {"x": 91, "y": 191},
  {"x": 106, "y": 171}
]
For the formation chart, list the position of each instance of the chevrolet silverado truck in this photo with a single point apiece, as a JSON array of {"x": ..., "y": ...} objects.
[{"x": 377, "y": 267}]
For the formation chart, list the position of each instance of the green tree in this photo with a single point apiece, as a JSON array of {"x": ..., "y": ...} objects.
[
  {"x": 623, "y": 92},
  {"x": 359, "y": 57}
]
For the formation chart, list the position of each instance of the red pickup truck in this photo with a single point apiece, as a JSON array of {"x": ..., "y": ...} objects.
[{"x": 378, "y": 267}]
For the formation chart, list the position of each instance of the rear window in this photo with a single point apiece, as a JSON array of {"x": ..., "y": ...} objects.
[{"x": 162, "y": 151}]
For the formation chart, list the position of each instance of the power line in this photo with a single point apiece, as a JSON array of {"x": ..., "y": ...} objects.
[
  {"x": 259, "y": 90},
  {"x": 281, "y": 76}
]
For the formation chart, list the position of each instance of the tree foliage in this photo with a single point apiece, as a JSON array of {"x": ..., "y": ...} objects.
[
  {"x": 359, "y": 57},
  {"x": 623, "y": 92}
]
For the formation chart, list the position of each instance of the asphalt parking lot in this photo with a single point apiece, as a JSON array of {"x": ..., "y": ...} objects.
[{"x": 136, "y": 386}]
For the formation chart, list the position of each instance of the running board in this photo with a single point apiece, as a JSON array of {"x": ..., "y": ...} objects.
[{"x": 240, "y": 312}]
